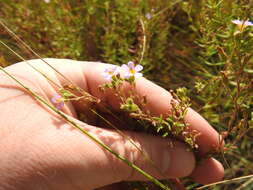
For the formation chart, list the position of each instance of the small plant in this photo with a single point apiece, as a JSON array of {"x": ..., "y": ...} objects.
[{"x": 204, "y": 46}]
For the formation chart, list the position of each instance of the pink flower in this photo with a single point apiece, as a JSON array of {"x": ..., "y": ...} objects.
[
  {"x": 110, "y": 72},
  {"x": 131, "y": 70},
  {"x": 242, "y": 24},
  {"x": 148, "y": 16},
  {"x": 58, "y": 101}
]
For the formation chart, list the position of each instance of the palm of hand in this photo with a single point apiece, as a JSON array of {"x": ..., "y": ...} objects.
[{"x": 42, "y": 150}]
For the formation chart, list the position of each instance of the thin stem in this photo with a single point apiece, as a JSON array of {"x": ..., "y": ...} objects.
[
  {"x": 144, "y": 41},
  {"x": 128, "y": 138},
  {"x": 75, "y": 125},
  {"x": 23, "y": 59},
  {"x": 225, "y": 181},
  {"x": 31, "y": 50}
]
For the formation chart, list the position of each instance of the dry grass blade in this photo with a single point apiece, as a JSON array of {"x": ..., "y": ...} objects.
[
  {"x": 226, "y": 181},
  {"x": 75, "y": 125}
]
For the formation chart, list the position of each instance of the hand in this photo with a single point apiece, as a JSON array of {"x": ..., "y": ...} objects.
[{"x": 39, "y": 150}]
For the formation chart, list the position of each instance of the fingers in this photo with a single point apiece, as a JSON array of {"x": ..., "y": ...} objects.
[
  {"x": 163, "y": 159},
  {"x": 88, "y": 75},
  {"x": 158, "y": 103},
  {"x": 158, "y": 157},
  {"x": 208, "y": 139},
  {"x": 212, "y": 169}
]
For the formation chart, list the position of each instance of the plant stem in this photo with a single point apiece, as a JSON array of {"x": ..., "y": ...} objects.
[{"x": 75, "y": 125}]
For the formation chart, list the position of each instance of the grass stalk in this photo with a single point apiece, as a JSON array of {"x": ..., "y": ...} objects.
[{"x": 75, "y": 125}]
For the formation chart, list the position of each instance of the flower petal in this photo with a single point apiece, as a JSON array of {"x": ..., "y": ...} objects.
[
  {"x": 116, "y": 70},
  {"x": 237, "y": 21},
  {"x": 108, "y": 77},
  {"x": 125, "y": 67},
  {"x": 138, "y": 68},
  {"x": 148, "y": 16},
  {"x": 55, "y": 98},
  {"x": 130, "y": 64},
  {"x": 248, "y": 23},
  {"x": 59, "y": 105},
  {"x": 127, "y": 75},
  {"x": 104, "y": 74}
]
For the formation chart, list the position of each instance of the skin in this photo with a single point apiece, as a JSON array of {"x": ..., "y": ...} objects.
[{"x": 39, "y": 150}]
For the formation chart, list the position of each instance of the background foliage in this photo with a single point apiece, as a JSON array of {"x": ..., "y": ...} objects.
[{"x": 188, "y": 43}]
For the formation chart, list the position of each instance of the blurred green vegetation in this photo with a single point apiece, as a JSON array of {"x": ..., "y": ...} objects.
[{"x": 187, "y": 43}]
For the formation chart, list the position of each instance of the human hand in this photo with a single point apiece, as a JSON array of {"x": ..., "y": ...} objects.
[{"x": 39, "y": 150}]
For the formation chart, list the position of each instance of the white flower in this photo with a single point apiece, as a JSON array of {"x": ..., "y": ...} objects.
[
  {"x": 47, "y": 1},
  {"x": 131, "y": 70},
  {"x": 242, "y": 24},
  {"x": 110, "y": 72},
  {"x": 148, "y": 16}
]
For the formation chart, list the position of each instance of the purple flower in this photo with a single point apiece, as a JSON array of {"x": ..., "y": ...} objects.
[
  {"x": 110, "y": 72},
  {"x": 148, "y": 16},
  {"x": 242, "y": 24},
  {"x": 131, "y": 70},
  {"x": 58, "y": 101}
]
